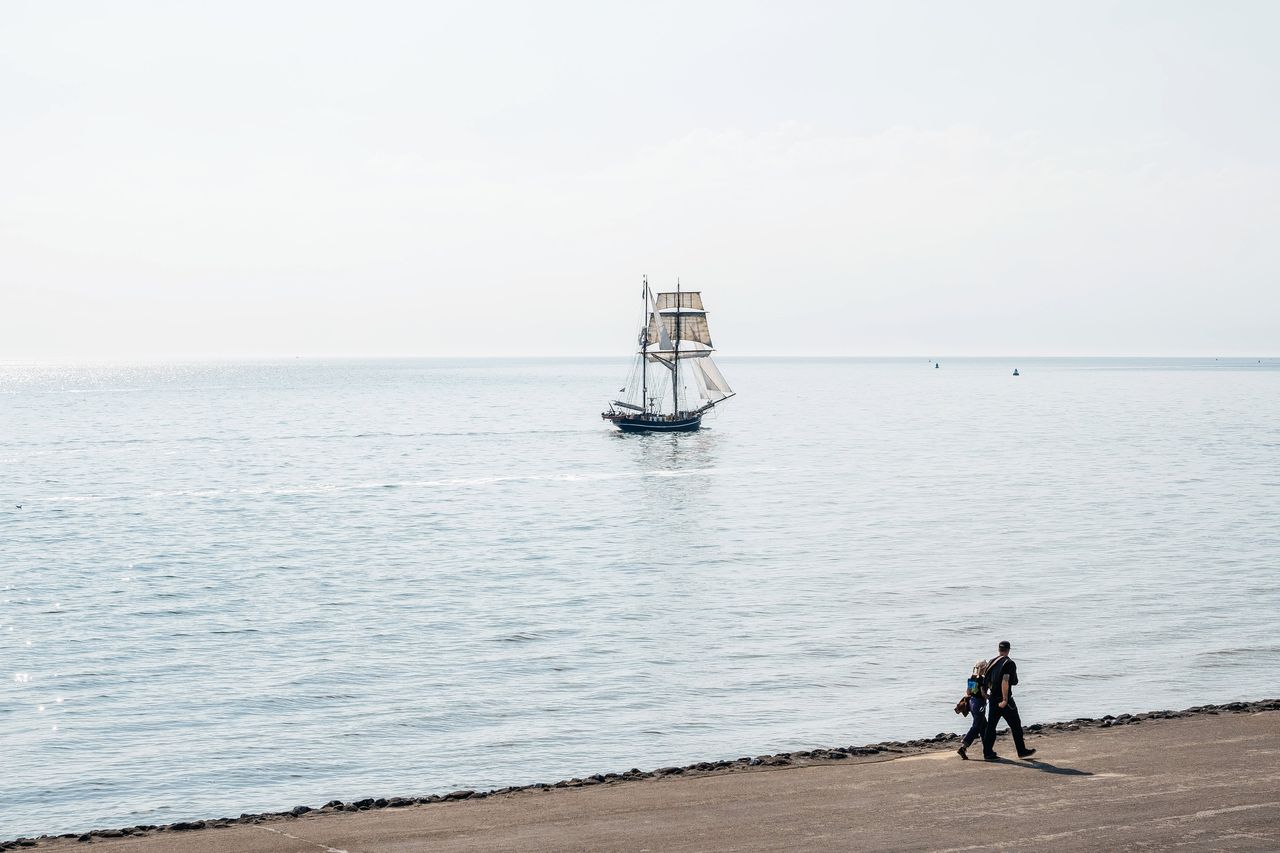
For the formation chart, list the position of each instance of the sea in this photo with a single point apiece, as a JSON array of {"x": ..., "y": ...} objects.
[{"x": 242, "y": 586}]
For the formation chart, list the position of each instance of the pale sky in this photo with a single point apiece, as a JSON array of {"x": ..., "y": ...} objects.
[{"x": 409, "y": 178}]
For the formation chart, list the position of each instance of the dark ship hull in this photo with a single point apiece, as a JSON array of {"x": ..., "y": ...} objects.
[{"x": 654, "y": 423}]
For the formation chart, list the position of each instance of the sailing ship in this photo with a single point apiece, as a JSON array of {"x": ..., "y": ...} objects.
[{"x": 673, "y": 381}]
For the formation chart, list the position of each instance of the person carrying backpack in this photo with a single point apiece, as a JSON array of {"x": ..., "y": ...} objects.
[
  {"x": 1002, "y": 676},
  {"x": 975, "y": 693}
]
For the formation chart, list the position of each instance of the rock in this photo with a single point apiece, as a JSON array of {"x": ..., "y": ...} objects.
[
  {"x": 86, "y": 838},
  {"x": 333, "y": 804},
  {"x": 299, "y": 810},
  {"x": 459, "y": 795}
]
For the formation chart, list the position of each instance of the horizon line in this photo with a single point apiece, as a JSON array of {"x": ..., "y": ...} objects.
[{"x": 212, "y": 357}]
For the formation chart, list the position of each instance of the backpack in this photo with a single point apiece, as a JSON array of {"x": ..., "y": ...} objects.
[{"x": 971, "y": 688}]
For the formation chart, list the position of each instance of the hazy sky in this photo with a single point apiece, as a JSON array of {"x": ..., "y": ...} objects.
[{"x": 475, "y": 178}]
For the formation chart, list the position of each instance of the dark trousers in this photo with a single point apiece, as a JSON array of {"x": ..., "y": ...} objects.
[
  {"x": 1010, "y": 714},
  {"x": 979, "y": 721}
]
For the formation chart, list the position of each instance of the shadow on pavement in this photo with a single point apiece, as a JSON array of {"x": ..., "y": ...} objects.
[{"x": 1043, "y": 767}]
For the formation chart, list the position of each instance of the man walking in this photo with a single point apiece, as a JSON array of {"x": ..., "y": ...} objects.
[{"x": 1002, "y": 675}]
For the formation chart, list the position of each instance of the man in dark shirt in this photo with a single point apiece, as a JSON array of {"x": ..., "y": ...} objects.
[{"x": 1002, "y": 675}]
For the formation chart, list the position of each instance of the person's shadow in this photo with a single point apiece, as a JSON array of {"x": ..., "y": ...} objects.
[{"x": 1042, "y": 766}]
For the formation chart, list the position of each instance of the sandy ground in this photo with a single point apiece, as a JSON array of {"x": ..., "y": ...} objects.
[{"x": 1201, "y": 783}]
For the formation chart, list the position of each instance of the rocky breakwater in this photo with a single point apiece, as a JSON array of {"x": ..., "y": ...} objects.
[{"x": 886, "y": 750}]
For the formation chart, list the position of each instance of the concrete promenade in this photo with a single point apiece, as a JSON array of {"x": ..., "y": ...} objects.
[{"x": 1200, "y": 782}]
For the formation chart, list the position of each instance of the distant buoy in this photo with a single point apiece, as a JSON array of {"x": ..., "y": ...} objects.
[
  {"x": 936, "y": 365},
  {"x": 1015, "y": 371}
]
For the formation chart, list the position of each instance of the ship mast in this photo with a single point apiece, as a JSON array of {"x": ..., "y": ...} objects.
[
  {"x": 644, "y": 350},
  {"x": 675, "y": 360}
]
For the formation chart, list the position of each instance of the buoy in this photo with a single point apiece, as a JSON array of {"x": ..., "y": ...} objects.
[{"x": 1015, "y": 371}]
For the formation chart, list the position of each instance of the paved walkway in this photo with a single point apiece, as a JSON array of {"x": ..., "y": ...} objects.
[{"x": 1207, "y": 782}]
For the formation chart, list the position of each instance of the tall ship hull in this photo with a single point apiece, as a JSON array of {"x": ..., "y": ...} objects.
[
  {"x": 635, "y": 423},
  {"x": 674, "y": 381}
]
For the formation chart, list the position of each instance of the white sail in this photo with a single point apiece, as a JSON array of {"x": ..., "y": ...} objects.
[
  {"x": 712, "y": 386},
  {"x": 662, "y": 339}
]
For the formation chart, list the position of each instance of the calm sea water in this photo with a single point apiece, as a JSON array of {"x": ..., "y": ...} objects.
[{"x": 241, "y": 587}]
